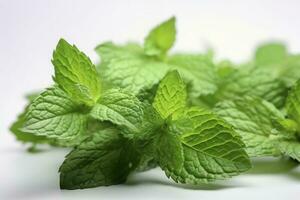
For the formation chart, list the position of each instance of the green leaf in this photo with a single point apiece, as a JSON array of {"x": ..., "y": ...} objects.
[
  {"x": 170, "y": 99},
  {"x": 288, "y": 127},
  {"x": 135, "y": 118},
  {"x": 293, "y": 103},
  {"x": 120, "y": 108},
  {"x": 247, "y": 81},
  {"x": 254, "y": 119},
  {"x": 148, "y": 152},
  {"x": 55, "y": 115},
  {"x": 290, "y": 148},
  {"x": 161, "y": 38},
  {"x": 198, "y": 70},
  {"x": 75, "y": 73},
  {"x": 275, "y": 58},
  {"x": 270, "y": 53},
  {"x": 170, "y": 153},
  {"x": 289, "y": 73},
  {"x": 127, "y": 67},
  {"x": 103, "y": 159},
  {"x": 257, "y": 82},
  {"x": 23, "y": 136},
  {"x": 212, "y": 150}
]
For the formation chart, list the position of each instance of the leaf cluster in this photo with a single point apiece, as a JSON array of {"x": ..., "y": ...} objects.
[{"x": 197, "y": 119}]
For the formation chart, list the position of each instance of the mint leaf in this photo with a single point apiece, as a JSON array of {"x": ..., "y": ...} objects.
[
  {"x": 293, "y": 103},
  {"x": 75, "y": 73},
  {"x": 17, "y": 125},
  {"x": 254, "y": 119},
  {"x": 135, "y": 118},
  {"x": 170, "y": 153},
  {"x": 120, "y": 108},
  {"x": 161, "y": 38},
  {"x": 290, "y": 148},
  {"x": 247, "y": 81},
  {"x": 128, "y": 68},
  {"x": 257, "y": 82},
  {"x": 109, "y": 51},
  {"x": 55, "y": 115},
  {"x": 133, "y": 111},
  {"x": 23, "y": 136},
  {"x": 289, "y": 72},
  {"x": 270, "y": 53},
  {"x": 210, "y": 151},
  {"x": 170, "y": 99},
  {"x": 197, "y": 70},
  {"x": 148, "y": 152},
  {"x": 279, "y": 62},
  {"x": 105, "y": 158},
  {"x": 17, "y": 128}
]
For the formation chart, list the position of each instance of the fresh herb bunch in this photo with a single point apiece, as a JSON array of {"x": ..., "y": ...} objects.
[{"x": 196, "y": 119}]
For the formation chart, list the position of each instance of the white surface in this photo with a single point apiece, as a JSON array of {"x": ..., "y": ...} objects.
[{"x": 29, "y": 31}]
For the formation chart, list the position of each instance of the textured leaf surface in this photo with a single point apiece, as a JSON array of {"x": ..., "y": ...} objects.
[
  {"x": 253, "y": 118},
  {"x": 290, "y": 148},
  {"x": 249, "y": 81},
  {"x": 75, "y": 73},
  {"x": 103, "y": 159},
  {"x": 120, "y": 108},
  {"x": 293, "y": 103},
  {"x": 161, "y": 38},
  {"x": 23, "y": 136},
  {"x": 170, "y": 99},
  {"x": 211, "y": 151},
  {"x": 127, "y": 67},
  {"x": 289, "y": 73},
  {"x": 55, "y": 115},
  {"x": 257, "y": 82},
  {"x": 197, "y": 70}
]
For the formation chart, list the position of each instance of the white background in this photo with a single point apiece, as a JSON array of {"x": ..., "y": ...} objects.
[{"x": 29, "y": 31}]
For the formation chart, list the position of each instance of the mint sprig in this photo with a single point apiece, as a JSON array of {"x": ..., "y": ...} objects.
[{"x": 141, "y": 107}]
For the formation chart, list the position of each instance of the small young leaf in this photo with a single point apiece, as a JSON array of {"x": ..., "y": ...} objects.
[
  {"x": 271, "y": 53},
  {"x": 75, "y": 73},
  {"x": 161, "y": 38},
  {"x": 170, "y": 99}
]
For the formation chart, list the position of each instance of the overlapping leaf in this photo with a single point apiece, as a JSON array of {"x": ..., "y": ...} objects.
[
  {"x": 170, "y": 99},
  {"x": 75, "y": 73},
  {"x": 253, "y": 118},
  {"x": 211, "y": 151},
  {"x": 55, "y": 115},
  {"x": 102, "y": 159}
]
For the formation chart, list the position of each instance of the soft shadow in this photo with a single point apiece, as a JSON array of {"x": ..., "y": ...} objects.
[
  {"x": 27, "y": 149},
  {"x": 272, "y": 165},
  {"x": 137, "y": 180},
  {"x": 295, "y": 175},
  {"x": 34, "y": 174},
  {"x": 181, "y": 186}
]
